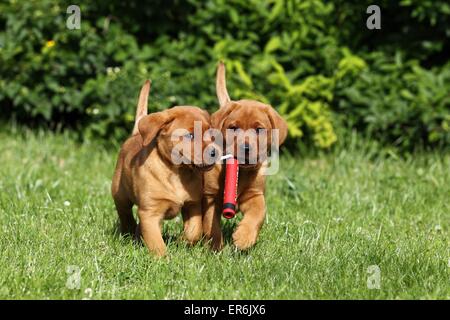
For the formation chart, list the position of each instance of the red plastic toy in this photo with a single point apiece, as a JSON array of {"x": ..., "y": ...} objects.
[{"x": 230, "y": 190}]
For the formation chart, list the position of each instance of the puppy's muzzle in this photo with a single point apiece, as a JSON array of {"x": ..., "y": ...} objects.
[
  {"x": 212, "y": 156},
  {"x": 245, "y": 148},
  {"x": 247, "y": 156}
]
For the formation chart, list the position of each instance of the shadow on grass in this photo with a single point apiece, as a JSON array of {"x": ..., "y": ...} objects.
[
  {"x": 227, "y": 229},
  {"x": 169, "y": 237},
  {"x": 172, "y": 238},
  {"x": 124, "y": 238}
]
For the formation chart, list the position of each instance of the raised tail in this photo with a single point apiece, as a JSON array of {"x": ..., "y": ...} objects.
[
  {"x": 221, "y": 85},
  {"x": 142, "y": 106}
]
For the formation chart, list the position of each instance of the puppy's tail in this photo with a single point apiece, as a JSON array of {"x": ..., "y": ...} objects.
[
  {"x": 142, "y": 106},
  {"x": 221, "y": 85}
]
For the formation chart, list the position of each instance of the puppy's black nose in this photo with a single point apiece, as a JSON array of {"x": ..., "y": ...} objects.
[
  {"x": 212, "y": 153},
  {"x": 245, "y": 147}
]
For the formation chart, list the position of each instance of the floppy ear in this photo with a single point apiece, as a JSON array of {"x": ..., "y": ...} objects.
[
  {"x": 221, "y": 85},
  {"x": 279, "y": 123},
  {"x": 149, "y": 126},
  {"x": 218, "y": 117}
]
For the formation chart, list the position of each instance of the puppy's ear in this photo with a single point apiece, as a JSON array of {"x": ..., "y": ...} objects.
[
  {"x": 279, "y": 123},
  {"x": 149, "y": 126},
  {"x": 221, "y": 85},
  {"x": 218, "y": 117}
]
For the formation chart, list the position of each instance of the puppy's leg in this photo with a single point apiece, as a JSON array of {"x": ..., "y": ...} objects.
[
  {"x": 211, "y": 222},
  {"x": 192, "y": 218},
  {"x": 254, "y": 211},
  {"x": 125, "y": 212},
  {"x": 150, "y": 225}
]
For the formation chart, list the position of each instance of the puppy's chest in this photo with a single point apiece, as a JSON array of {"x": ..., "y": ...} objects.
[
  {"x": 176, "y": 188},
  {"x": 178, "y": 193},
  {"x": 184, "y": 188}
]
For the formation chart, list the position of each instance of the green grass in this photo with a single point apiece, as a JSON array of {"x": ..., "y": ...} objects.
[{"x": 330, "y": 218}]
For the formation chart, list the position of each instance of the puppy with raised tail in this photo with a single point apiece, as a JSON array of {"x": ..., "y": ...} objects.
[
  {"x": 146, "y": 175},
  {"x": 248, "y": 119}
]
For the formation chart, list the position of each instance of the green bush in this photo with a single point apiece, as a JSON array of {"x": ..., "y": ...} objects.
[
  {"x": 419, "y": 29},
  {"x": 74, "y": 78},
  {"x": 313, "y": 60},
  {"x": 398, "y": 102}
]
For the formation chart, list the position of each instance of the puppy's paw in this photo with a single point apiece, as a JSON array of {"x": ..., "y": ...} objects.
[
  {"x": 192, "y": 239},
  {"x": 244, "y": 237},
  {"x": 216, "y": 243},
  {"x": 192, "y": 233},
  {"x": 137, "y": 234},
  {"x": 127, "y": 230},
  {"x": 214, "y": 240}
]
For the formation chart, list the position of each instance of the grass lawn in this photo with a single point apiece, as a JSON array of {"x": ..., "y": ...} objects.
[{"x": 330, "y": 218}]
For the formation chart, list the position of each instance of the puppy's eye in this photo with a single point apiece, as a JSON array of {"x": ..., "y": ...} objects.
[
  {"x": 234, "y": 128},
  {"x": 189, "y": 136},
  {"x": 259, "y": 130}
]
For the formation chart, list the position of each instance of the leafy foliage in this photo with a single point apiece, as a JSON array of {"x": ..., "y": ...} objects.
[
  {"x": 414, "y": 108},
  {"x": 313, "y": 60}
]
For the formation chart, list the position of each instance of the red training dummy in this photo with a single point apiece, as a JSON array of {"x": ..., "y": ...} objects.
[{"x": 230, "y": 190}]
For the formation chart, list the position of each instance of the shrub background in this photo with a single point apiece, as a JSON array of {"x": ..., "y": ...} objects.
[{"x": 315, "y": 61}]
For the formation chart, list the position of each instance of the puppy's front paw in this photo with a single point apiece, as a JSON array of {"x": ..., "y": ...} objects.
[
  {"x": 192, "y": 235},
  {"x": 244, "y": 237},
  {"x": 137, "y": 234},
  {"x": 216, "y": 243}
]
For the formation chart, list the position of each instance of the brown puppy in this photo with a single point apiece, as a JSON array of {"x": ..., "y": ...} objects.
[
  {"x": 146, "y": 176},
  {"x": 252, "y": 117}
]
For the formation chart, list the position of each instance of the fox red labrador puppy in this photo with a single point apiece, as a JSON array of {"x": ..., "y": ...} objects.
[
  {"x": 248, "y": 119},
  {"x": 147, "y": 176}
]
